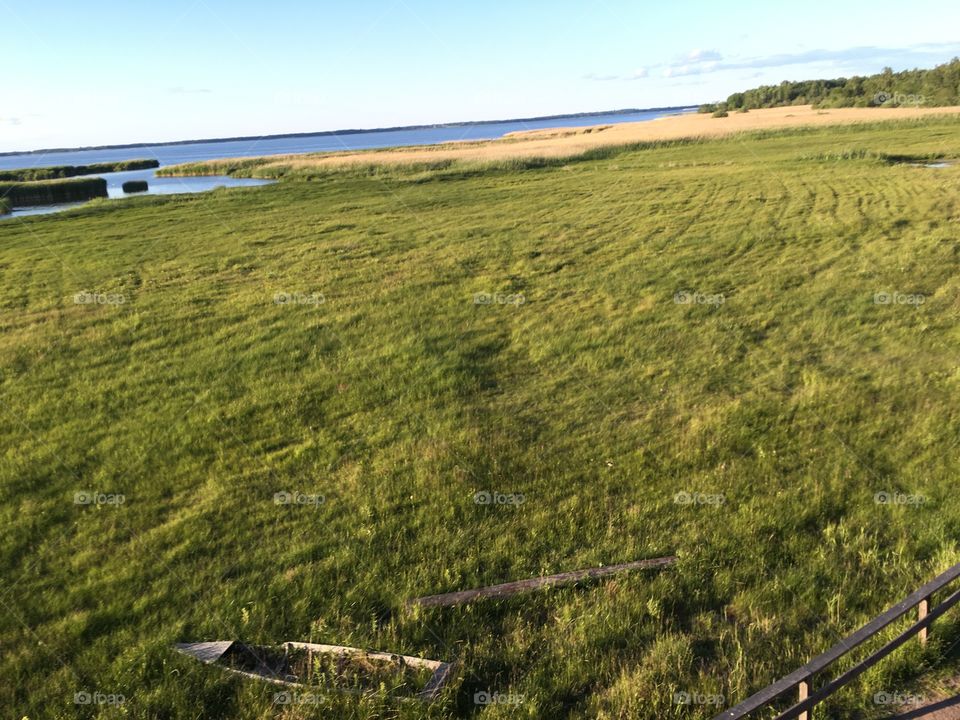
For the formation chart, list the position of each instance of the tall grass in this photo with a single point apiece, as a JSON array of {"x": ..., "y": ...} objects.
[
  {"x": 135, "y": 186},
  {"x": 319, "y": 165},
  {"x": 239, "y": 167},
  {"x": 873, "y": 155},
  {"x": 144, "y": 352},
  {"x": 67, "y": 171},
  {"x": 52, "y": 192}
]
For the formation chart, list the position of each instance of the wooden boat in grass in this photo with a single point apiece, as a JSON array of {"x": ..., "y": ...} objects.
[{"x": 335, "y": 668}]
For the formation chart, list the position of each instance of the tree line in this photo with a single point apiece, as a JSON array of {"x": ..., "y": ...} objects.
[{"x": 934, "y": 87}]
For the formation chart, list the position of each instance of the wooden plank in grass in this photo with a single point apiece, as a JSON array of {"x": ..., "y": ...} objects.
[
  {"x": 212, "y": 652},
  {"x": 538, "y": 583},
  {"x": 205, "y": 652}
]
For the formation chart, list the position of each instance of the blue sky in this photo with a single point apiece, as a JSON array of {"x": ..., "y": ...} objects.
[{"x": 96, "y": 72}]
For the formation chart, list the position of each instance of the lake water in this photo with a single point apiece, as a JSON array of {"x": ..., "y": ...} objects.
[
  {"x": 174, "y": 154},
  {"x": 157, "y": 186},
  {"x": 193, "y": 152}
]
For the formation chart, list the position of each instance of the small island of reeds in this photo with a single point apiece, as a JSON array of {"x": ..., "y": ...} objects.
[
  {"x": 52, "y": 192},
  {"x": 135, "y": 186},
  {"x": 68, "y": 171}
]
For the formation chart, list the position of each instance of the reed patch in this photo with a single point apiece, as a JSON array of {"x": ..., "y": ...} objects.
[
  {"x": 53, "y": 192},
  {"x": 67, "y": 171}
]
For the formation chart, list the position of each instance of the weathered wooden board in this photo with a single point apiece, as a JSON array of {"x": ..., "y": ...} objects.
[
  {"x": 207, "y": 652},
  {"x": 345, "y": 650},
  {"x": 211, "y": 652},
  {"x": 538, "y": 583},
  {"x": 433, "y": 686}
]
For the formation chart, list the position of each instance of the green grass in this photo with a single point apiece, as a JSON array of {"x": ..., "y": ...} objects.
[
  {"x": 52, "y": 192},
  {"x": 179, "y": 382},
  {"x": 66, "y": 171},
  {"x": 233, "y": 166},
  {"x": 4, "y": 206}
]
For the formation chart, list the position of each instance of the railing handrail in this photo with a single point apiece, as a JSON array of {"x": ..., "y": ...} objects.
[{"x": 824, "y": 660}]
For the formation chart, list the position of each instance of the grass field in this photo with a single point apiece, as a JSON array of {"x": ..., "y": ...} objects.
[{"x": 766, "y": 323}]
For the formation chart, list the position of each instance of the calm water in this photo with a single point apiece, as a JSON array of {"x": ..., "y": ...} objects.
[
  {"x": 174, "y": 154},
  {"x": 157, "y": 186}
]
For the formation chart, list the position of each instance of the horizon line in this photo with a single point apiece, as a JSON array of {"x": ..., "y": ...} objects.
[{"x": 345, "y": 131}]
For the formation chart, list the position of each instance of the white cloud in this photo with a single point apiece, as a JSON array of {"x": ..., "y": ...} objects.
[
  {"x": 698, "y": 55},
  {"x": 702, "y": 62},
  {"x": 690, "y": 69}
]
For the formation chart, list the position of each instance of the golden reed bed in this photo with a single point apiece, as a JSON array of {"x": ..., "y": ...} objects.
[{"x": 562, "y": 142}]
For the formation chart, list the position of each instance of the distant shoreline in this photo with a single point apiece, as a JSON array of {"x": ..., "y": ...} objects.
[
  {"x": 352, "y": 131},
  {"x": 567, "y": 142}
]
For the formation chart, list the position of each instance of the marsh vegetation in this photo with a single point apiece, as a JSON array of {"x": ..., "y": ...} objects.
[{"x": 740, "y": 351}]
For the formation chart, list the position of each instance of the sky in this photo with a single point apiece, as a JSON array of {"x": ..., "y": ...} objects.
[{"x": 99, "y": 72}]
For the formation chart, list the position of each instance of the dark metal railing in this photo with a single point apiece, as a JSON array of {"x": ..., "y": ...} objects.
[{"x": 801, "y": 680}]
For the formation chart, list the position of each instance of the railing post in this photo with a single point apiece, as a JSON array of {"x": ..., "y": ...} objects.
[
  {"x": 803, "y": 692},
  {"x": 923, "y": 609},
  {"x": 930, "y": 605}
]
